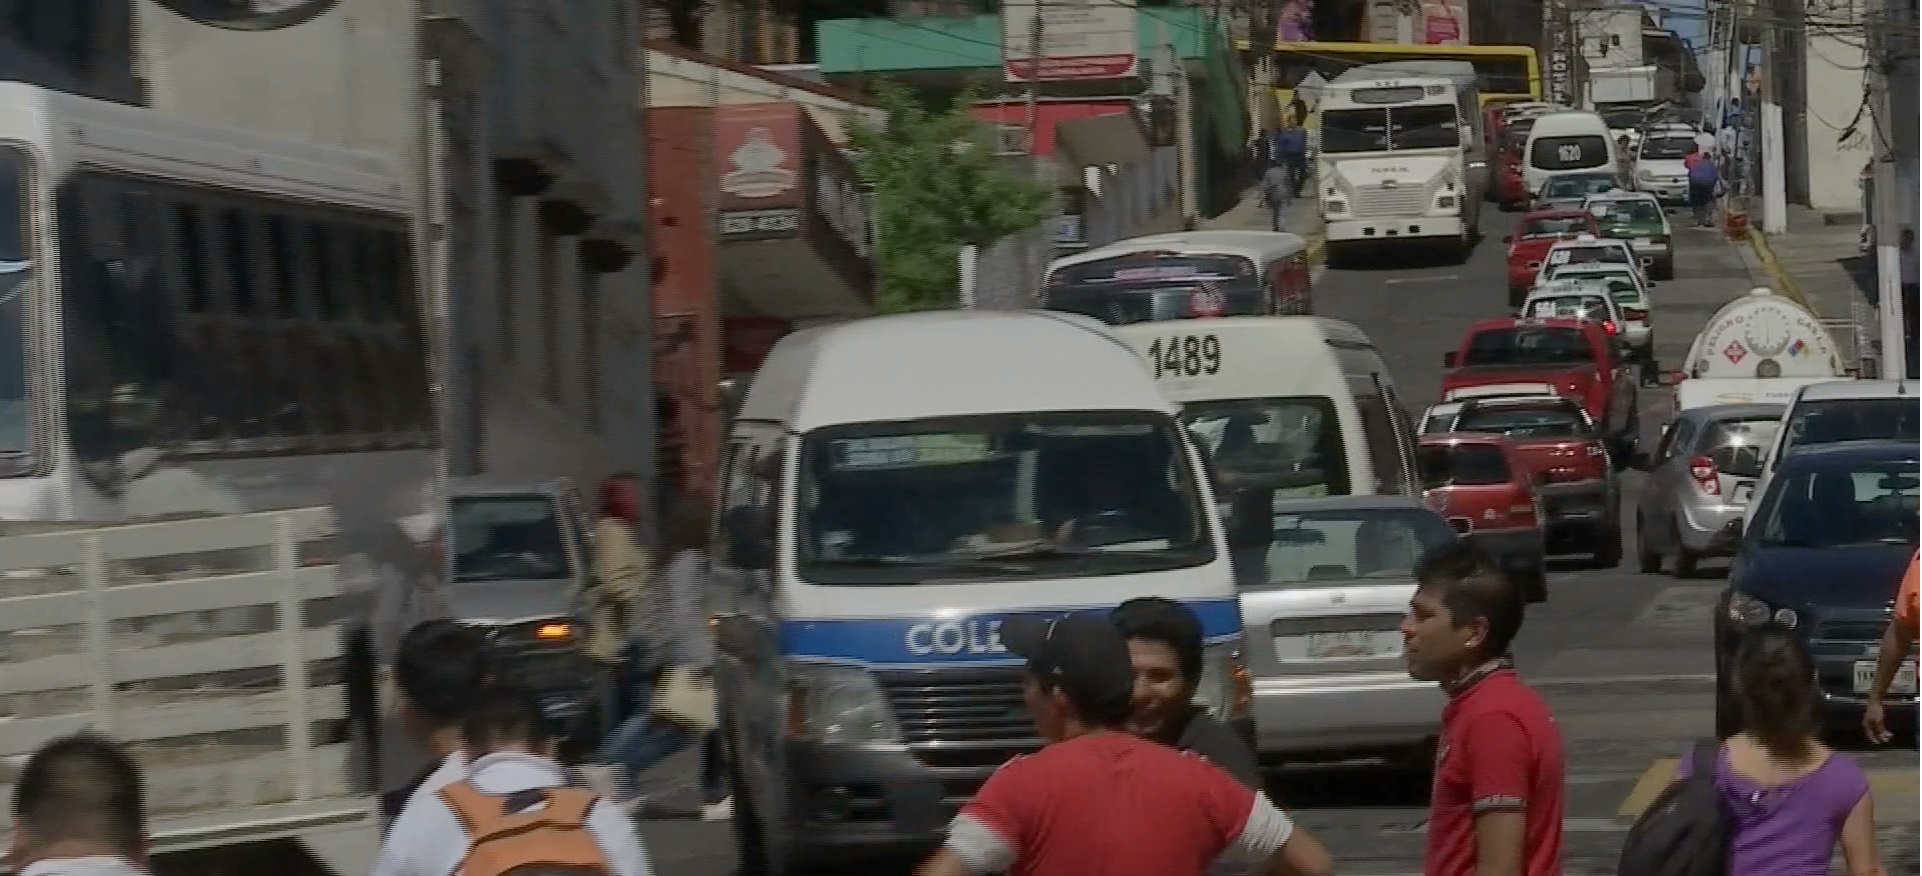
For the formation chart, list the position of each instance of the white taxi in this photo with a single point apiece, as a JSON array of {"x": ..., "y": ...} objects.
[
  {"x": 1630, "y": 290},
  {"x": 1587, "y": 249}
]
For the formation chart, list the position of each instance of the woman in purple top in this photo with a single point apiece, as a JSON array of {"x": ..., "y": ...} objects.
[{"x": 1793, "y": 800}]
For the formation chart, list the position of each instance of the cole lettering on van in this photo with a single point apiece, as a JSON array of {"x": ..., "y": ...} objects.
[{"x": 955, "y": 637}]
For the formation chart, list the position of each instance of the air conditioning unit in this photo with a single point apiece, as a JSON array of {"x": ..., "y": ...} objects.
[{"x": 1010, "y": 140}]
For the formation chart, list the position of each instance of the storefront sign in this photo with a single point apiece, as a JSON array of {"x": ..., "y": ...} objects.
[
  {"x": 759, "y": 223},
  {"x": 757, "y": 156}
]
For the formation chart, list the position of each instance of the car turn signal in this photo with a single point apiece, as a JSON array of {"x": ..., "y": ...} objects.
[{"x": 552, "y": 632}]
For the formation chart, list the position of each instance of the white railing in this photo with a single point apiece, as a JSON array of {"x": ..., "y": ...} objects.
[{"x": 189, "y": 641}]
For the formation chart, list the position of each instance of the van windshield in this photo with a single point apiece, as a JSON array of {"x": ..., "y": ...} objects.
[
  {"x": 1290, "y": 445},
  {"x": 1155, "y": 286},
  {"x": 997, "y": 497},
  {"x": 1853, "y": 419}
]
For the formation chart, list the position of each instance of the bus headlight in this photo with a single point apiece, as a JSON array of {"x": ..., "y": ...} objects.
[
  {"x": 1226, "y": 691},
  {"x": 838, "y": 705}
]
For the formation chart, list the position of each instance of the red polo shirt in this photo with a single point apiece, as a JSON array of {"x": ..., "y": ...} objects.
[
  {"x": 1500, "y": 750},
  {"x": 1115, "y": 804}
]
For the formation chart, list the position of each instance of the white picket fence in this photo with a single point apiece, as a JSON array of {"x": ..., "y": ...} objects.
[{"x": 189, "y": 641}]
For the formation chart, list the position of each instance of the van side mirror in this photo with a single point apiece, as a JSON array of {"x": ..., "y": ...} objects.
[
  {"x": 748, "y": 532},
  {"x": 1508, "y": 238},
  {"x": 1449, "y": 359}
]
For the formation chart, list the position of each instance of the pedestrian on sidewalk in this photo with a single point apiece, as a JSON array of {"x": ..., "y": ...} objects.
[
  {"x": 1704, "y": 186},
  {"x": 1291, "y": 148},
  {"x": 1274, "y": 195},
  {"x": 1898, "y": 638},
  {"x": 620, "y": 570},
  {"x": 1498, "y": 794},
  {"x": 1165, "y": 649},
  {"x": 1790, "y": 798},
  {"x": 78, "y": 810},
  {"x": 1098, "y": 799}
]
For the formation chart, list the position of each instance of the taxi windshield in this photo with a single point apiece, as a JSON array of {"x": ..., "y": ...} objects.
[
  {"x": 1578, "y": 185},
  {"x": 1528, "y": 345},
  {"x": 1588, "y": 254},
  {"x": 1590, "y": 307},
  {"x": 1555, "y": 226},
  {"x": 1324, "y": 548},
  {"x": 1630, "y": 212},
  {"x": 997, "y": 497}
]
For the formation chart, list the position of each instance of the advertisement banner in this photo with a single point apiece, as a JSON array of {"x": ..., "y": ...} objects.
[
  {"x": 1078, "y": 39},
  {"x": 1444, "y": 22},
  {"x": 757, "y": 157}
]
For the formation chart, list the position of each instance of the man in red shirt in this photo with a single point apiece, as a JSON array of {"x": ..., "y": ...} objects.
[
  {"x": 1101, "y": 800},
  {"x": 1496, "y": 808}
]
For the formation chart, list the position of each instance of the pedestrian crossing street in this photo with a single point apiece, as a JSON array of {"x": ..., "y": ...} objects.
[{"x": 1894, "y": 789}]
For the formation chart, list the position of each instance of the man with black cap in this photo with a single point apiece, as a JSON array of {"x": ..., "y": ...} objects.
[{"x": 1098, "y": 799}]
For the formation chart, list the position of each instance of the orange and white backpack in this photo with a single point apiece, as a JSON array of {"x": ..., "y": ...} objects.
[{"x": 538, "y": 832}]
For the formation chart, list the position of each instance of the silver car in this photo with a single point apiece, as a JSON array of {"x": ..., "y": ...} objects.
[
  {"x": 1701, "y": 478},
  {"x": 1322, "y": 607}
]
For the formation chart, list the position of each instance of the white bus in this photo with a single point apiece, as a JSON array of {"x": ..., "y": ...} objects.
[
  {"x": 1396, "y": 163},
  {"x": 199, "y": 321}
]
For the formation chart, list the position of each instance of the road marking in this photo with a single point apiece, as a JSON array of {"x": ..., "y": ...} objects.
[
  {"x": 1399, "y": 280},
  {"x": 1884, "y": 783}
]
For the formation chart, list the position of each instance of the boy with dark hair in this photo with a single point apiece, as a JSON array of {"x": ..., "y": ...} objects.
[
  {"x": 1097, "y": 799},
  {"x": 1497, "y": 801},
  {"x": 439, "y": 671},
  {"x": 1165, "y": 651},
  {"x": 512, "y": 807},
  {"x": 79, "y": 810}
]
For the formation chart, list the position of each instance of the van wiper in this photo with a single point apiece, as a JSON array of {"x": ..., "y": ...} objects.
[
  {"x": 1030, "y": 551},
  {"x": 870, "y": 561}
]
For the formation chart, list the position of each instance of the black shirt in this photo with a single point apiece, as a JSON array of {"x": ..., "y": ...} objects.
[{"x": 1222, "y": 747}]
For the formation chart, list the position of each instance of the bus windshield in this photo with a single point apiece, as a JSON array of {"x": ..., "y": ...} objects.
[
  {"x": 15, "y": 272},
  {"x": 1389, "y": 129}
]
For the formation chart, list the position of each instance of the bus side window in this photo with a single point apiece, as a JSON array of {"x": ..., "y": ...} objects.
[{"x": 86, "y": 329}]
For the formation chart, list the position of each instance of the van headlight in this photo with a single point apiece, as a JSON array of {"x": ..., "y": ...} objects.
[
  {"x": 838, "y": 705},
  {"x": 1226, "y": 690}
]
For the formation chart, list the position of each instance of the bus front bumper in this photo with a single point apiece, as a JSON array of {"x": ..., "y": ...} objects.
[{"x": 1393, "y": 228}]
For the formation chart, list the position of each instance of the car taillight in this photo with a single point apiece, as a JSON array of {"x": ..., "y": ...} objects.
[
  {"x": 1702, "y": 469},
  {"x": 1609, "y": 327},
  {"x": 1634, "y": 315}
]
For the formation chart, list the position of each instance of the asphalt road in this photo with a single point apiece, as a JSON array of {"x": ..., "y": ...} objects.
[{"x": 1624, "y": 658}]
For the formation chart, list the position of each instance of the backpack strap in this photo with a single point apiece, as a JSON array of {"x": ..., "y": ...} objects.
[
  {"x": 486, "y": 816},
  {"x": 1705, "y": 759}
]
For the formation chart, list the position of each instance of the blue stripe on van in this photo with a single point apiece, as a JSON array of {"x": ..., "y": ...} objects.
[{"x": 948, "y": 639}]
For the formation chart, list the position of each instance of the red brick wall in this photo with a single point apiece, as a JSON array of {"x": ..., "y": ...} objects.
[{"x": 680, "y": 179}]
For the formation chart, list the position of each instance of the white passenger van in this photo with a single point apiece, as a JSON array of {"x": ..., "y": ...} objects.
[
  {"x": 1185, "y": 274},
  {"x": 1303, "y": 406},
  {"x": 1565, "y": 142},
  {"x": 894, "y": 487}
]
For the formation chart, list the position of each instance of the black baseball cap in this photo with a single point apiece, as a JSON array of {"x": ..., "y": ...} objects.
[{"x": 1082, "y": 653}]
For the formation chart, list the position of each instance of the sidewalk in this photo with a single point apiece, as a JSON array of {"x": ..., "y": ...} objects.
[
  {"x": 1301, "y": 218},
  {"x": 1819, "y": 265}
]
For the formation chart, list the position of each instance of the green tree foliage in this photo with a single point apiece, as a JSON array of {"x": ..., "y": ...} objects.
[{"x": 937, "y": 187}]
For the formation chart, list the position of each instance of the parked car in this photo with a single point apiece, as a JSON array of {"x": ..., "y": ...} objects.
[
  {"x": 1482, "y": 486},
  {"x": 1569, "y": 459},
  {"x": 520, "y": 556},
  {"x": 1575, "y": 357},
  {"x": 1528, "y": 246},
  {"x": 1324, "y": 606},
  {"x": 1638, "y": 218},
  {"x": 1658, "y": 164},
  {"x": 1701, "y": 479},
  {"x": 1823, "y": 555}
]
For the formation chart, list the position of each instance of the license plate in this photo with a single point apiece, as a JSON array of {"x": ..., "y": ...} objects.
[
  {"x": 1904, "y": 685},
  {"x": 1644, "y": 241},
  {"x": 1744, "y": 491},
  {"x": 1343, "y": 645}
]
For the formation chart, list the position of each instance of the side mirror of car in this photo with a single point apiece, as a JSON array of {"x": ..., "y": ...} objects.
[
  {"x": 1449, "y": 359},
  {"x": 1508, "y": 238}
]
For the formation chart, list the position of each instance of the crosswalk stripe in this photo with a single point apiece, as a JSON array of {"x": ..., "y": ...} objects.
[{"x": 1883, "y": 782}]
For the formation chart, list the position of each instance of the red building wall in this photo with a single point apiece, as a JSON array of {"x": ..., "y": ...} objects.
[
  {"x": 1049, "y": 114},
  {"x": 686, "y": 299}
]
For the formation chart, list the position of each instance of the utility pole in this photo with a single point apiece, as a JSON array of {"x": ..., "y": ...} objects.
[
  {"x": 1891, "y": 204},
  {"x": 1774, "y": 170},
  {"x": 1034, "y": 80}
]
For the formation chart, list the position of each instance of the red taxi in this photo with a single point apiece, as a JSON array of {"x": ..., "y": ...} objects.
[
  {"x": 1479, "y": 482},
  {"x": 1569, "y": 461},
  {"x": 1534, "y": 234}
]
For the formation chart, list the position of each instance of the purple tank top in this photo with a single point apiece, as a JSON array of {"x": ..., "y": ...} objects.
[{"x": 1788, "y": 829}]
